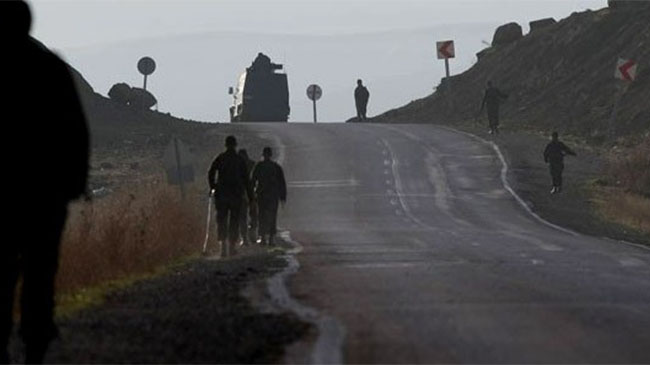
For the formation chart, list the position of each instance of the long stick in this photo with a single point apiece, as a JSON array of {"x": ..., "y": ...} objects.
[{"x": 207, "y": 225}]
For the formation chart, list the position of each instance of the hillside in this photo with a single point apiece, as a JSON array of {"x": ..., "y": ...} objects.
[
  {"x": 127, "y": 144},
  {"x": 559, "y": 77}
]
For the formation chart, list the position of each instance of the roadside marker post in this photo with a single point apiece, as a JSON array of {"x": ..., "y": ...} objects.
[
  {"x": 314, "y": 92},
  {"x": 178, "y": 163},
  {"x": 146, "y": 66},
  {"x": 446, "y": 50},
  {"x": 626, "y": 71}
]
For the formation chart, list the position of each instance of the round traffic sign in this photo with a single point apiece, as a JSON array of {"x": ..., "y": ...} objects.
[
  {"x": 314, "y": 92},
  {"x": 146, "y": 65}
]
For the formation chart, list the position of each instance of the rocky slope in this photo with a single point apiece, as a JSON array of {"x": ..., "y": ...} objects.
[{"x": 560, "y": 76}]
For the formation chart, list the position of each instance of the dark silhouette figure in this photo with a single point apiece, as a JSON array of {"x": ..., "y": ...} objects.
[
  {"x": 229, "y": 188},
  {"x": 361, "y": 97},
  {"x": 41, "y": 108},
  {"x": 554, "y": 156},
  {"x": 493, "y": 98},
  {"x": 246, "y": 225},
  {"x": 271, "y": 188}
]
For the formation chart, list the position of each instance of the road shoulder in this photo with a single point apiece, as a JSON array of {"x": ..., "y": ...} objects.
[{"x": 196, "y": 313}]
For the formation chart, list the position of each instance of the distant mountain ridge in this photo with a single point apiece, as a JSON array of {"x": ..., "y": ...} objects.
[{"x": 559, "y": 77}]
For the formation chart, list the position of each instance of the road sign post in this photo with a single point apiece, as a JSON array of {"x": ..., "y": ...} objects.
[
  {"x": 626, "y": 71},
  {"x": 314, "y": 92},
  {"x": 446, "y": 50},
  {"x": 146, "y": 66},
  {"x": 177, "y": 160}
]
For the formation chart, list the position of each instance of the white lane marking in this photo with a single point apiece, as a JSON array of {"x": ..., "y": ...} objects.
[
  {"x": 398, "y": 186},
  {"x": 384, "y": 265},
  {"x": 388, "y": 182},
  {"x": 537, "y": 262},
  {"x": 438, "y": 179},
  {"x": 479, "y": 157},
  {"x": 436, "y": 174},
  {"x": 386, "y": 162},
  {"x": 393, "y": 202},
  {"x": 631, "y": 262},
  {"x": 420, "y": 243},
  {"x": 323, "y": 183},
  {"x": 534, "y": 240},
  {"x": 328, "y": 348},
  {"x": 506, "y": 184},
  {"x": 386, "y": 172}
]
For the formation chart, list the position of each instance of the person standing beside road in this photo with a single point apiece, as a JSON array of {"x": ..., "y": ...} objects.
[
  {"x": 248, "y": 208},
  {"x": 554, "y": 156},
  {"x": 41, "y": 107},
  {"x": 492, "y": 99},
  {"x": 361, "y": 97},
  {"x": 270, "y": 188},
  {"x": 229, "y": 189}
]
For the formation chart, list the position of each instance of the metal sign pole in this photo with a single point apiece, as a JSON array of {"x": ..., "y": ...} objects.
[
  {"x": 447, "y": 66},
  {"x": 618, "y": 96},
  {"x": 315, "y": 119},
  {"x": 145, "y": 82}
]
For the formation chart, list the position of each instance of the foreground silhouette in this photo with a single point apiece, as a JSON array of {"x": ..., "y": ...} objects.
[
  {"x": 271, "y": 189},
  {"x": 41, "y": 108},
  {"x": 228, "y": 178}
]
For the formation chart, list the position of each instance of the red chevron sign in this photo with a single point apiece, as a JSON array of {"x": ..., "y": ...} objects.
[
  {"x": 625, "y": 70},
  {"x": 446, "y": 50}
]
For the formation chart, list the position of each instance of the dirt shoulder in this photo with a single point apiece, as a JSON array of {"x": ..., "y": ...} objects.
[{"x": 193, "y": 314}]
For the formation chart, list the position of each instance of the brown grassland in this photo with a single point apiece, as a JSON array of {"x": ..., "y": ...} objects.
[
  {"x": 131, "y": 233},
  {"x": 626, "y": 194}
]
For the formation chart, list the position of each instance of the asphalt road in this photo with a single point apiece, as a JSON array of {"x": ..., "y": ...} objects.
[{"x": 412, "y": 243}]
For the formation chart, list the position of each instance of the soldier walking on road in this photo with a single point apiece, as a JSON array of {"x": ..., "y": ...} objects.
[
  {"x": 361, "y": 97},
  {"x": 229, "y": 189},
  {"x": 554, "y": 156},
  {"x": 49, "y": 171},
  {"x": 248, "y": 208},
  {"x": 493, "y": 98},
  {"x": 271, "y": 188}
]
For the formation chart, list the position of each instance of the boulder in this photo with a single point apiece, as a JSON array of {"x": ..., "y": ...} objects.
[
  {"x": 536, "y": 25},
  {"x": 120, "y": 93},
  {"x": 142, "y": 99},
  {"x": 506, "y": 34}
]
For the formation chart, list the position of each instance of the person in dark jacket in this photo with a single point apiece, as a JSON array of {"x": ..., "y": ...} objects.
[
  {"x": 41, "y": 107},
  {"x": 270, "y": 188},
  {"x": 554, "y": 156},
  {"x": 229, "y": 188},
  {"x": 492, "y": 99},
  {"x": 361, "y": 97},
  {"x": 247, "y": 207}
]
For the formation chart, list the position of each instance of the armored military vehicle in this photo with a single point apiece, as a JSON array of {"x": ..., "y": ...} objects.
[{"x": 262, "y": 94}]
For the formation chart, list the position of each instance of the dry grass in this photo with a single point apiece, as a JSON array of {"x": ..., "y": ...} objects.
[
  {"x": 625, "y": 196},
  {"x": 630, "y": 210},
  {"x": 630, "y": 169},
  {"x": 125, "y": 234}
]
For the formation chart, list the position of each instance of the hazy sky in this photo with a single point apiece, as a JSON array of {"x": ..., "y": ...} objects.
[{"x": 73, "y": 23}]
